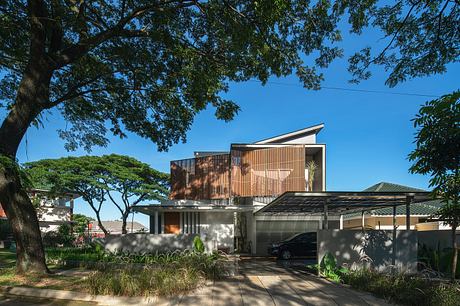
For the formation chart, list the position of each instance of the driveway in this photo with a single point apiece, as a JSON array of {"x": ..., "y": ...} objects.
[{"x": 267, "y": 282}]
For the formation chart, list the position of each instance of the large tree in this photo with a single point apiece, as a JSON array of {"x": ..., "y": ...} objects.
[
  {"x": 437, "y": 154},
  {"x": 148, "y": 66},
  {"x": 123, "y": 180},
  {"x": 132, "y": 182},
  {"x": 83, "y": 175},
  {"x": 144, "y": 66}
]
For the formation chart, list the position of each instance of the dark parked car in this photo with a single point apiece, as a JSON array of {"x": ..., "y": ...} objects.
[{"x": 299, "y": 245}]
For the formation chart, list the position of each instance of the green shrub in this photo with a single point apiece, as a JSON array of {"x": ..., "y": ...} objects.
[
  {"x": 328, "y": 267},
  {"x": 437, "y": 259},
  {"x": 59, "y": 238},
  {"x": 198, "y": 244}
]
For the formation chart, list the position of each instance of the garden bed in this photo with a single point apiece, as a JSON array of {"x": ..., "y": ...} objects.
[{"x": 123, "y": 274}]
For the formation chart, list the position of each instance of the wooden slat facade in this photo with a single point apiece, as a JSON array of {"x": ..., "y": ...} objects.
[
  {"x": 200, "y": 178},
  {"x": 267, "y": 172},
  {"x": 254, "y": 172}
]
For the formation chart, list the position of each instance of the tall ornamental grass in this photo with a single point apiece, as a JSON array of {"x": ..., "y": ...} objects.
[{"x": 177, "y": 272}]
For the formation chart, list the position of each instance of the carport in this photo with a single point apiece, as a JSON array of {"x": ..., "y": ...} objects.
[{"x": 339, "y": 203}]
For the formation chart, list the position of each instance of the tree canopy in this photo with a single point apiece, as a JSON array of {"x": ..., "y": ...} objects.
[
  {"x": 120, "y": 179},
  {"x": 437, "y": 154},
  {"x": 149, "y": 66}
]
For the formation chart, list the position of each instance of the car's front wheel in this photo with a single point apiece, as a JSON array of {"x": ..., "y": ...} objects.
[{"x": 286, "y": 254}]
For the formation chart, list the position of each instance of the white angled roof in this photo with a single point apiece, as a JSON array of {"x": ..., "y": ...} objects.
[{"x": 292, "y": 136}]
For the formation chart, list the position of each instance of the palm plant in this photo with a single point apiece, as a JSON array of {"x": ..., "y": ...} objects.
[{"x": 311, "y": 167}]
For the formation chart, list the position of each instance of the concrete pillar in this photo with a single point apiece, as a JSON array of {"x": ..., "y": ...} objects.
[
  {"x": 393, "y": 243},
  {"x": 341, "y": 222},
  {"x": 408, "y": 202},
  {"x": 155, "y": 222},
  {"x": 363, "y": 220},
  {"x": 326, "y": 223}
]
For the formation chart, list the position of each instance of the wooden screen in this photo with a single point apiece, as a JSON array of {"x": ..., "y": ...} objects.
[
  {"x": 200, "y": 178},
  {"x": 172, "y": 223},
  {"x": 268, "y": 172}
]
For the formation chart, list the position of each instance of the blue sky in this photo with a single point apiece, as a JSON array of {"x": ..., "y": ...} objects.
[{"x": 368, "y": 135}]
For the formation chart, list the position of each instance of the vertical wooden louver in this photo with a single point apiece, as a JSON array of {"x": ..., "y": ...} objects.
[
  {"x": 268, "y": 172},
  {"x": 200, "y": 178}
]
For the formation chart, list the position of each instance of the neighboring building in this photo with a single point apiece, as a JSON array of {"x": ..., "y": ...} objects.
[
  {"x": 217, "y": 193},
  {"x": 52, "y": 209},
  {"x": 114, "y": 228},
  {"x": 421, "y": 213}
]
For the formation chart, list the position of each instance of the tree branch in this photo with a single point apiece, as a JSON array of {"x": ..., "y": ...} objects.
[
  {"x": 76, "y": 51},
  {"x": 37, "y": 15}
]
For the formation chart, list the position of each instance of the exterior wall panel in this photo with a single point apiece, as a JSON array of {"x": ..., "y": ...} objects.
[
  {"x": 200, "y": 178},
  {"x": 269, "y": 171}
]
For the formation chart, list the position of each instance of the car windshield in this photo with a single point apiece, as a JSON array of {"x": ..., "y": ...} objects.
[{"x": 292, "y": 237}]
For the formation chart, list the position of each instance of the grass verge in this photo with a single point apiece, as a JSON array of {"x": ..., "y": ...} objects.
[{"x": 8, "y": 277}]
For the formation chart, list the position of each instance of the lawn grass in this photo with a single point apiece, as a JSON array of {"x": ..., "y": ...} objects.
[{"x": 8, "y": 276}]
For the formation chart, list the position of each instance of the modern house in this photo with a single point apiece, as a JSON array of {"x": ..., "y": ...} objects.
[
  {"x": 218, "y": 194},
  {"x": 52, "y": 209}
]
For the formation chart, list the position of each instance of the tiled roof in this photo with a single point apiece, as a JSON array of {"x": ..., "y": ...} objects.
[
  {"x": 419, "y": 209},
  {"x": 115, "y": 226},
  {"x": 390, "y": 187}
]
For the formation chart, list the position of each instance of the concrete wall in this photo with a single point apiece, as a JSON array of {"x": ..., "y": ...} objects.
[
  {"x": 372, "y": 248},
  {"x": 151, "y": 243},
  {"x": 218, "y": 228}
]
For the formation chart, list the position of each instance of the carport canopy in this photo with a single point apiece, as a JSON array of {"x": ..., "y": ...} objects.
[{"x": 342, "y": 202}]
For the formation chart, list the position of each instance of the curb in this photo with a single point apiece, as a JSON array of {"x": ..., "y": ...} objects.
[{"x": 85, "y": 297}]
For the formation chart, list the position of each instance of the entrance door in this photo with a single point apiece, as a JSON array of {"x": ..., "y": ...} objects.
[{"x": 172, "y": 222}]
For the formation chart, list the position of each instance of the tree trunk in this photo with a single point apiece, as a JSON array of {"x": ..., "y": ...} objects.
[
  {"x": 101, "y": 226},
  {"x": 31, "y": 99},
  {"x": 24, "y": 223},
  {"x": 124, "y": 219},
  {"x": 454, "y": 251}
]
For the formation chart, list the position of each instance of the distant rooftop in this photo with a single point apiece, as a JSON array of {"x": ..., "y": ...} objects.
[
  {"x": 391, "y": 187},
  {"x": 115, "y": 226},
  {"x": 427, "y": 208}
]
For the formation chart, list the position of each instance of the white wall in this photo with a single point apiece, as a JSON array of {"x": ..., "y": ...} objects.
[
  {"x": 218, "y": 228},
  {"x": 309, "y": 139},
  {"x": 149, "y": 243},
  {"x": 50, "y": 218},
  {"x": 372, "y": 248}
]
